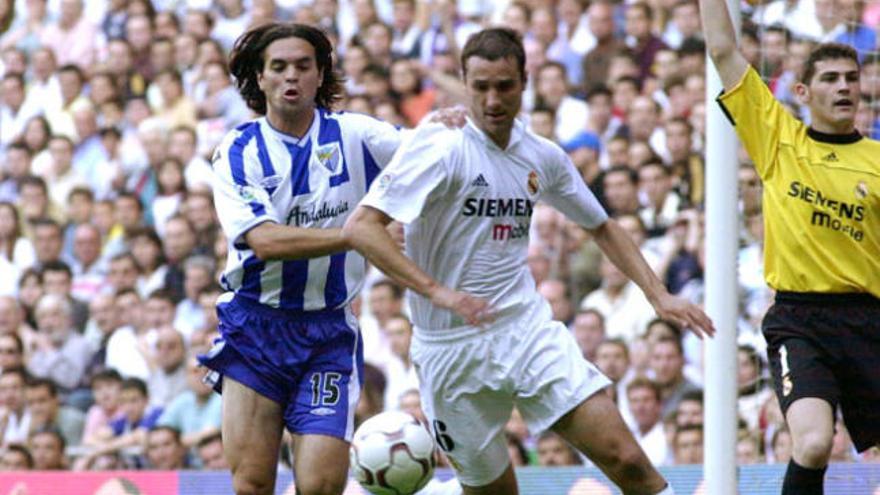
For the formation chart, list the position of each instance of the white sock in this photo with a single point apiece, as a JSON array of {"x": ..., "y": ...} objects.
[{"x": 437, "y": 487}]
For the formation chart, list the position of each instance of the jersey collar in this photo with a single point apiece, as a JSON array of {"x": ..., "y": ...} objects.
[
  {"x": 287, "y": 138},
  {"x": 822, "y": 137},
  {"x": 516, "y": 133}
]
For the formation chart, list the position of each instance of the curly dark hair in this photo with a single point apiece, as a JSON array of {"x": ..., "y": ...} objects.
[{"x": 246, "y": 61}]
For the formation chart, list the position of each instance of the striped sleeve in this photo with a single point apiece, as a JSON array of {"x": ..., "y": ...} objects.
[
  {"x": 241, "y": 202},
  {"x": 379, "y": 141}
]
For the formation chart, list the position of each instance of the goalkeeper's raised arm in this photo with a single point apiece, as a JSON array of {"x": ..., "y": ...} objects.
[{"x": 721, "y": 42}]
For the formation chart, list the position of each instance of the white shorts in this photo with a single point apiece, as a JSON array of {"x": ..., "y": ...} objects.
[{"x": 469, "y": 385}]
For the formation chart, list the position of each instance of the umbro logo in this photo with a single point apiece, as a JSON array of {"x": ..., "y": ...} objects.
[
  {"x": 480, "y": 181},
  {"x": 830, "y": 157},
  {"x": 322, "y": 411}
]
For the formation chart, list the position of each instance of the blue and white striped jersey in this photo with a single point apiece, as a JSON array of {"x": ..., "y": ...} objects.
[{"x": 262, "y": 175}]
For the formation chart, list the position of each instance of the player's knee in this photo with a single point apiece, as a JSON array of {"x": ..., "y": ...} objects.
[
  {"x": 320, "y": 484},
  {"x": 249, "y": 484},
  {"x": 632, "y": 464},
  {"x": 813, "y": 449}
]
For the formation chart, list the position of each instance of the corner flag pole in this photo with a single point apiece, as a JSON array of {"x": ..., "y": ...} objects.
[{"x": 722, "y": 232}]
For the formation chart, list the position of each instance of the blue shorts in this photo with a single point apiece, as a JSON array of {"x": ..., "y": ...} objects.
[{"x": 311, "y": 363}]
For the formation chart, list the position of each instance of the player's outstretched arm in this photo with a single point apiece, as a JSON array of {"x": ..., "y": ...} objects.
[
  {"x": 620, "y": 249},
  {"x": 271, "y": 241},
  {"x": 721, "y": 42},
  {"x": 366, "y": 232}
]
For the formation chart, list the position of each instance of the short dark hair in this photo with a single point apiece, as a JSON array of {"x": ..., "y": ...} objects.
[
  {"x": 19, "y": 345},
  {"x": 692, "y": 396},
  {"x": 679, "y": 121},
  {"x": 377, "y": 70},
  {"x": 21, "y": 449},
  {"x": 208, "y": 440},
  {"x": 691, "y": 46},
  {"x": 43, "y": 383},
  {"x": 494, "y": 44},
  {"x": 52, "y": 431},
  {"x": 684, "y": 429},
  {"x": 642, "y": 382},
  {"x": 599, "y": 89},
  {"x": 125, "y": 256},
  {"x": 246, "y": 61},
  {"x": 644, "y": 7},
  {"x": 552, "y": 64},
  {"x": 170, "y": 429},
  {"x": 132, "y": 196},
  {"x": 21, "y": 146},
  {"x": 617, "y": 342},
  {"x": 74, "y": 69},
  {"x": 57, "y": 266},
  {"x": 630, "y": 174},
  {"x": 106, "y": 376},
  {"x": 827, "y": 51},
  {"x": 33, "y": 180},
  {"x": 671, "y": 340},
  {"x": 592, "y": 311},
  {"x": 18, "y": 370},
  {"x": 629, "y": 80},
  {"x": 871, "y": 59},
  {"x": 135, "y": 384},
  {"x": 14, "y": 76},
  {"x": 394, "y": 287},
  {"x": 670, "y": 325},
  {"x": 162, "y": 294},
  {"x": 81, "y": 191}
]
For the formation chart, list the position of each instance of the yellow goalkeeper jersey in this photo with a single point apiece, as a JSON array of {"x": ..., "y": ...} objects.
[{"x": 821, "y": 197}]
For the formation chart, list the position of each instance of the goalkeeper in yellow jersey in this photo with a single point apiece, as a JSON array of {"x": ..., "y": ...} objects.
[{"x": 822, "y": 244}]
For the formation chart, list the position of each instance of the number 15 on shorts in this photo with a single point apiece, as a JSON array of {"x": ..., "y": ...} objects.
[{"x": 325, "y": 388}]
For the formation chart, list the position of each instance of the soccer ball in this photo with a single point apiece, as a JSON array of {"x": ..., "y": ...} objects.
[{"x": 392, "y": 454}]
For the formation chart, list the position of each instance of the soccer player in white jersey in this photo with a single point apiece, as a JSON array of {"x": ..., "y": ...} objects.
[
  {"x": 484, "y": 338},
  {"x": 290, "y": 354}
]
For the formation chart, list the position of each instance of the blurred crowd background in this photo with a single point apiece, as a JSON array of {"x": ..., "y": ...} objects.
[{"x": 110, "y": 248}]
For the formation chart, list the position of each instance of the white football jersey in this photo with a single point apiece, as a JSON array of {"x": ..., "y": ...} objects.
[
  {"x": 262, "y": 175},
  {"x": 468, "y": 205}
]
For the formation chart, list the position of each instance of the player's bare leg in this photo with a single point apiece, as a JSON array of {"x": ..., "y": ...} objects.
[
  {"x": 320, "y": 464},
  {"x": 505, "y": 484},
  {"x": 252, "y": 426},
  {"x": 595, "y": 428},
  {"x": 811, "y": 423}
]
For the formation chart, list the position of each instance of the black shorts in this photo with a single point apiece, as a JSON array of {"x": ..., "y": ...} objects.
[{"x": 827, "y": 346}]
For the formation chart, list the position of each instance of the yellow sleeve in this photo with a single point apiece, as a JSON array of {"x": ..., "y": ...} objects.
[{"x": 761, "y": 122}]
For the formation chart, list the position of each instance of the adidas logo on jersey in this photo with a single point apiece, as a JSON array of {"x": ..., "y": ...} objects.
[
  {"x": 830, "y": 157},
  {"x": 480, "y": 181}
]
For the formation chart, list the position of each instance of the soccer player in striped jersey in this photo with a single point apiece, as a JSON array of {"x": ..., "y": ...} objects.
[{"x": 284, "y": 184}]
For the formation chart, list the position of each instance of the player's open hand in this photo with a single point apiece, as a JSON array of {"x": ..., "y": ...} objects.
[
  {"x": 474, "y": 310},
  {"x": 451, "y": 117},
  {"x": 684, "y": 314}
]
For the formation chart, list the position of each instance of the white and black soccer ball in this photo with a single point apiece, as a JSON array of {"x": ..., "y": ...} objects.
[{"x": 392, "y": 454}]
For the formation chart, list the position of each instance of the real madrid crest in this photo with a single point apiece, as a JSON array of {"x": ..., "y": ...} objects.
[
  {"x": 861, "y": 190},
  {"x": 533, "y": 182}
]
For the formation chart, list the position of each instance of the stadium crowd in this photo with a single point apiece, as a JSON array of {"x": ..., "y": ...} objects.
[{"x": 110, "y": 249}]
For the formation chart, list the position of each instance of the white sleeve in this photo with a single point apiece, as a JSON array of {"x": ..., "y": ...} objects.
[
  {"x": 569, "y": 194},
  {"x": 418, "y": 170},
  {"x": 380, "y": 138},
  {"x": 241, "y": 202}
]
